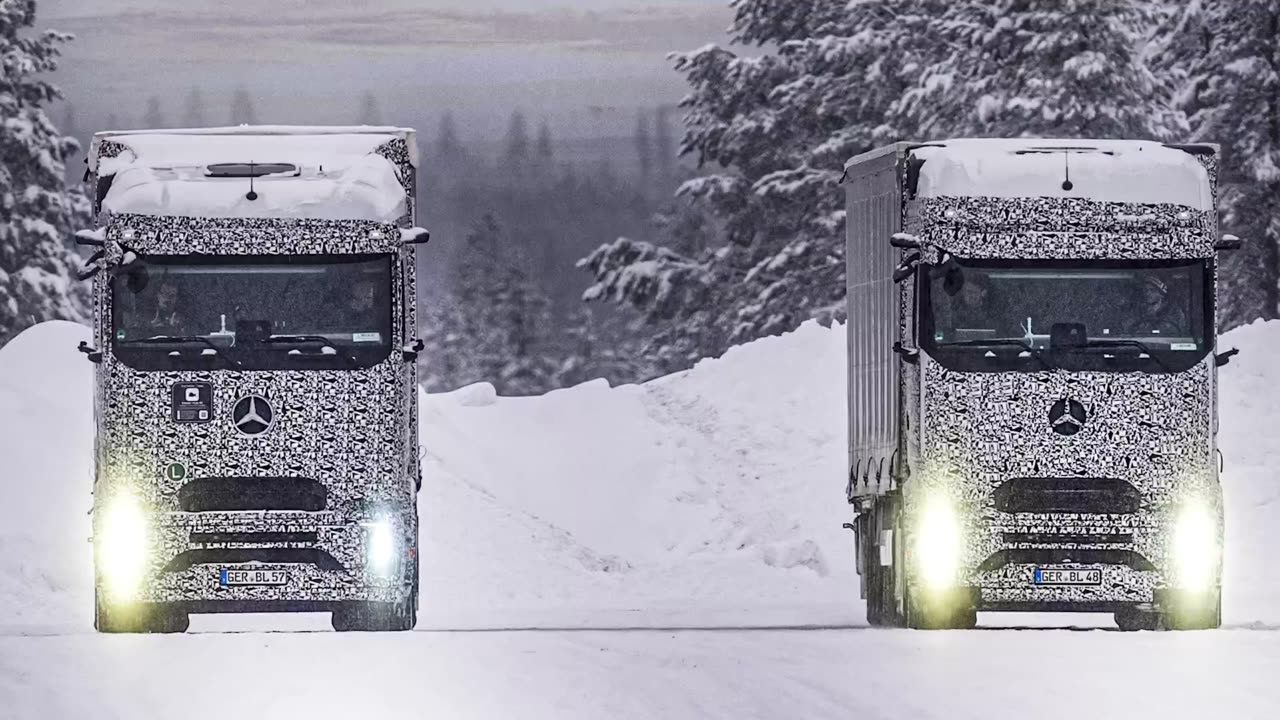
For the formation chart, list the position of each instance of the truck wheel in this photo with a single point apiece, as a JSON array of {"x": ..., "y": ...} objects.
[
  {"x": 376, "y": 616},
  {"x": 927, "y": 616},
  {"x": 1193, "y": 616},
  {"x": 1132, "y": 619},
  {"x": 143, "y": 619},
  {"x": 872, "y": 573}
]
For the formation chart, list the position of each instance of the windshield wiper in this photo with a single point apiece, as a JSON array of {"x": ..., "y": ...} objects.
[
  {"x": 1144, "y": 347},
  {"x": 298, "y": 340},
  {"x": 183, "y": 340},
  {"x": 1004, "y": 342},
  {"x": 324, "y": 342}
]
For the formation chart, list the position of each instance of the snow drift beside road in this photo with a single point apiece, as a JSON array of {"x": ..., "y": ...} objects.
[{"x": 708, "y": 497}]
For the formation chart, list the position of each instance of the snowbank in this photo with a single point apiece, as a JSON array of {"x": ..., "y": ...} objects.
[{"x": 709, "y": 497}]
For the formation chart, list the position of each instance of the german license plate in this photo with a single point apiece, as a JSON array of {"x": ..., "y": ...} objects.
[
  {"x": 1044, "y": 576},
  {"x": 253, "y": 577}
]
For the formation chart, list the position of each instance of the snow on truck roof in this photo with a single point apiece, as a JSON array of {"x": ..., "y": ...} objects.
[
  {"x": 1137, "y": 171},
  {"x": 323, "y": 172}
]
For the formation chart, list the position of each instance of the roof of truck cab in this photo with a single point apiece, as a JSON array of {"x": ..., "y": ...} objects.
[
  {"x": 1137, "y": 171},
  {"x": 338, "y": 174}
]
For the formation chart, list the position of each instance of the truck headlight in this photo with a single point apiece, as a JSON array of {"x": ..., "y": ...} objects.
[
  {"x": 122, "y": 546},
  {"x": 1195, "y": 547},
  {"x": 381, "y": 547},
  {"x": 937, "y": 542}
]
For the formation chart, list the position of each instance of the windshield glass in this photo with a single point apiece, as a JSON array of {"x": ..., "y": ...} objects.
[
  {"x": 253, "y": 312},
  {"x": 1094, "y": 315}
]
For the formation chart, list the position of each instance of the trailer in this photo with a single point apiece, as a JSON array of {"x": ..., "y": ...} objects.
[
  {"x": 255, "y": 375},
  {"x": 1032, "y": 359}
]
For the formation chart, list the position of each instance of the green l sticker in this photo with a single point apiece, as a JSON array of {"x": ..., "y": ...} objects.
[{"x": 176, "y": 471}]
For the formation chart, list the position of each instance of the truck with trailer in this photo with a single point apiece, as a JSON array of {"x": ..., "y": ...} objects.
[
  {"x": 255, "y": 375},
  {"x": 1032, "y": 375}
]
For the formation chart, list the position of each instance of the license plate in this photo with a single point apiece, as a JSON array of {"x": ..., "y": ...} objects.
[
  {"x": 1067, "y": 577},
  {"x": 254, "y": 577}
]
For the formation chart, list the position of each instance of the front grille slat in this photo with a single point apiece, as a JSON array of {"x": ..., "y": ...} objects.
[
  {"x": 1061, "y": 556},
  {"x": 253, "y": 538},
  {"x": 270, "y": 555},
  {"x": 236, "y": 494},
  {"x": 1068, "y": 495},
  {"x": 1068, "y": 538}
]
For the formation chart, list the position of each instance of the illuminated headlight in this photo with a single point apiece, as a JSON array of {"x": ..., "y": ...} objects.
[
  {"x": 122, "y": 546},
  {"x": 380, "y": 550},
  {"x": 1195, "y": 547},
  {"x": 937, "y": 542}
]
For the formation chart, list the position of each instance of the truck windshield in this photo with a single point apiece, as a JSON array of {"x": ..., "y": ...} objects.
[
  {"x": 253, "y": 312},
  {"x": 1148, "y": 315}
]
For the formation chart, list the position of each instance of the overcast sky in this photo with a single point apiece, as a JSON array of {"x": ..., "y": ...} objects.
[{"x": 584, "y": 64}]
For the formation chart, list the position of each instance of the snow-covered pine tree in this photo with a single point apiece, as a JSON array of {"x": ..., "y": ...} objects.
[
  {"x": 242, "y": 112},
  {"x": 37, "y": 268},
  {"x": 445, "y": 349},
  {"x": 1043, "y": 68},
  {"x": 780, "y": 125},
  {"x": 644, "y": 146},
  {"x": 1224, "y": 52},
  {"x": 838, "y": 78},
  {"x": 546, "y": 146},
  {"x": 518, "y": 144},
  {"x": 370, "y": 113},
  {"x": 153, "y": 118},
  {"x": 678, "y": 297},
  {"x": 193, "y": 114},
  {"x": 502, "y": 318},
  {"x": 597, "y": 344}
]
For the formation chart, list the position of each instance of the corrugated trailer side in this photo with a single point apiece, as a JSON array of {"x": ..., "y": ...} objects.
[{"x": 873, "y": 196}]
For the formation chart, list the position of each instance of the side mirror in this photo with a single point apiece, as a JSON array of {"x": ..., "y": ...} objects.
[
  {"x": 94, "y": 354},
  {"x": 415, "y": 236},
  {"x": 907, "y": 268},
  {"x": 91, "y": 266},
  {"x": 909, "y": 356},
  {"x": 410, "y": 351},
  {"x": 905, "y": 241},
  {"x": 92, "y": 238},
  {"x": 1228, "y": 242},
  {"x": 1223, "y": 358}
]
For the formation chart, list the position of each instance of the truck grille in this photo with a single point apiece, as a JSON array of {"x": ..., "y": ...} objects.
[
  {"x": 1044, "y": 538},
  {"x": 1067, "y": 495},
  {"x": 1059, "y": 556},
  {"x": 233, "y": 556},
  {"x": 253, "y": 538},
  {"x": 230, "y": 494}
]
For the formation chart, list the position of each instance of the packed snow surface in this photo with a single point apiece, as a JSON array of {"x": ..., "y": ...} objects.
[
  {"x": 1107, "y": 170},
  {"x": 708, "y": 499},
  {"x": 338, "y": 175}
]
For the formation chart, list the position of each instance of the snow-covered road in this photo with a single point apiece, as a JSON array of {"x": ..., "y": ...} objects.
[
  {"x": 773, "y": 674},
  {"x": 692, "y": 501}
]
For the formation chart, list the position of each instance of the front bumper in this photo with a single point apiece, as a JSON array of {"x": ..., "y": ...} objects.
[
  {"x": 324, "y": 557},
  {"x": 1135, "y": 555}
]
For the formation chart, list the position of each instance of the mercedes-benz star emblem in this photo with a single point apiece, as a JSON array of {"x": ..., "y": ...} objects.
[
  {"x": 252, "y": 415},
  {"x": 1067, "y": 417}
]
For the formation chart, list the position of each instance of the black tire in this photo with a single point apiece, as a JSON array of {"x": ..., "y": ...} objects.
[
  {"x": 872, "y": 573},
  {"x": 137, "y": 619},
  {"x": 376, "y": 616},
  {"x": 1193, "y": 616},
  {"x": 1133, "y": 619},
  {"x": 945, "y": 615}
]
